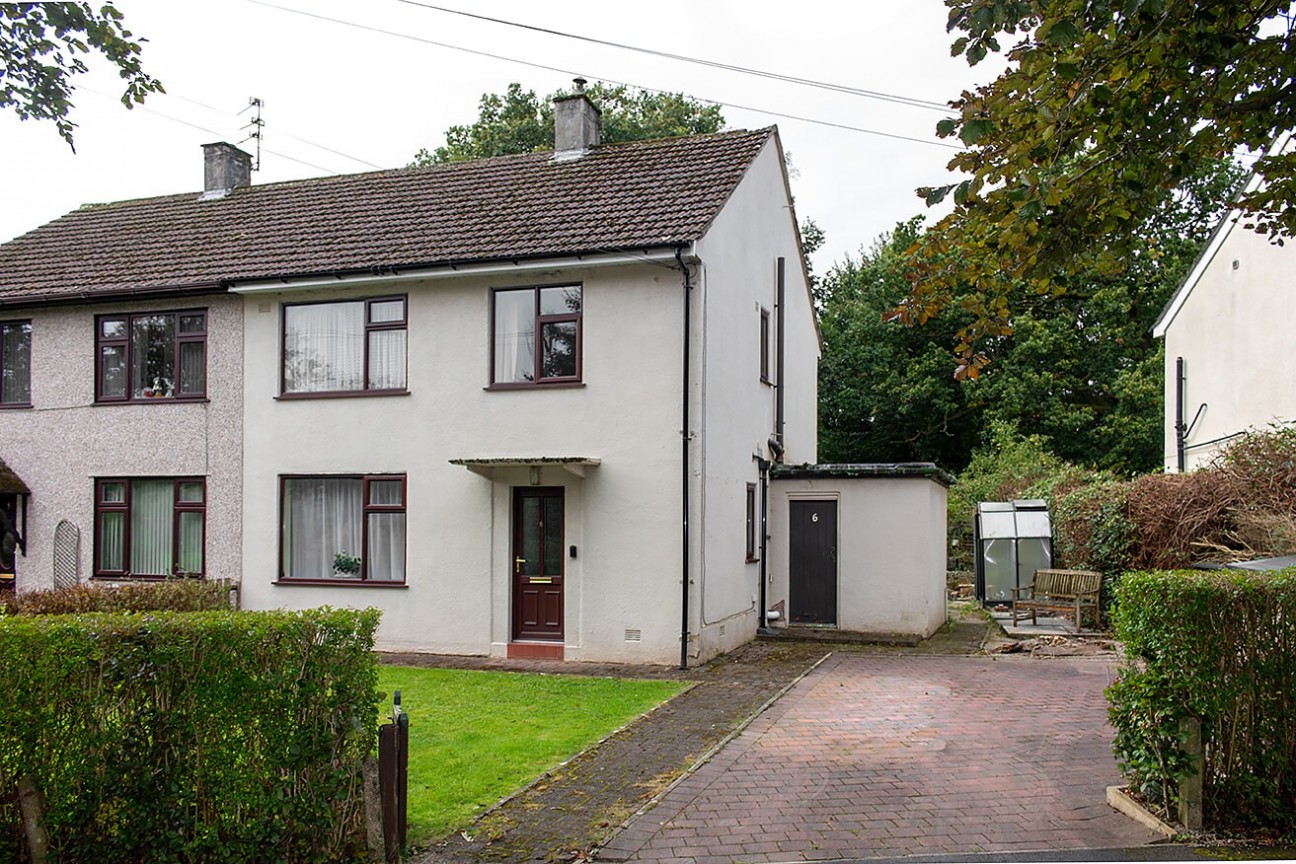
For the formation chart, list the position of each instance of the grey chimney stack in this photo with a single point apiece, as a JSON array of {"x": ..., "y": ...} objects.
[
  {"x": 576, "y": 124},
  {"x": 225, "y": 167}
]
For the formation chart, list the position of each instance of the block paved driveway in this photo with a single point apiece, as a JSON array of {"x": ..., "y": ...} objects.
[{"x": 873, "y": 756}]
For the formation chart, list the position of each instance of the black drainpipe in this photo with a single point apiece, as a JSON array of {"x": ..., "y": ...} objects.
[
  {"x": 684, "y": 475},
  {"x": 1181, "y": 429},
  {"x": 778, "y": 363}
]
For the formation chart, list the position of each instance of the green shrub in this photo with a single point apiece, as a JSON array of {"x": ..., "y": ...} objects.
[
  {"x": 190, "y": 737},
  {"x": 1221, "y": 647},
  {"x": 171, "y": 595}
]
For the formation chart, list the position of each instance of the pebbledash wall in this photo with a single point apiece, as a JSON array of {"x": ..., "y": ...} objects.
[
  {"x": 65, "y": 441},
  {"x": 622, "y": 588}
]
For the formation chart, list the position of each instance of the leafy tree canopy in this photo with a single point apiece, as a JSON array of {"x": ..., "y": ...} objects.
[
  {"x": 518, "y": 121},
  {"x": 43, "y": 45},
  {"x": 1105, "y": 106},
  {"x": 1081, "y": 371}
]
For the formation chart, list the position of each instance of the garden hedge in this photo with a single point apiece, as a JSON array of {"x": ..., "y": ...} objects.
[
  {"x": 1221, "y": 647},
  {"x": 170, "y": 595},
  {"x": 189, "y": 737}
]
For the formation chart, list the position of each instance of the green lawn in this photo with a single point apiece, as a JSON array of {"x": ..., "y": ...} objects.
[{"x": 477, "y": 736}]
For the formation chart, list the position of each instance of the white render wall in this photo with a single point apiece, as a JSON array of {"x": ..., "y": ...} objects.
[
  {"x": 1234, "y": 333},
  {"x": 61, "y": 444},
  {"x": 737, "y": 417},
  {"x": 890, "y": 550},
  {"x": 623, "y": 517}
]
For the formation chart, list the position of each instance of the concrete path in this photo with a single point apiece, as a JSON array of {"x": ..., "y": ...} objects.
[{"x": 884, "y": 756}]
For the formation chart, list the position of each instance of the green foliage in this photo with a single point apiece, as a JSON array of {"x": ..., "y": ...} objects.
[
  {"x": 1103, "y": 109},
  {"x": 1220, "y": 647},
  {"x": 42, "y": 46},
  {"x": 885, "y": 392},
  {"x": 517, "y": 121},
  {"x": 478, "y": 736},
  {"x": 190, "y": 737},
  {"x": 172, "y": 595}
]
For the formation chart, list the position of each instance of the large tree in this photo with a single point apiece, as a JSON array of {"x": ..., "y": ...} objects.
[
  {"x": 517, "y": 121},
  {"x": 1105, "y": 106},
  {"x": 43, "y": 46},
  {"x": 1081, "y": 371}
]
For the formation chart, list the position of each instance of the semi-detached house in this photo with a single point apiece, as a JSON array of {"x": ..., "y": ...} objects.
[{"x": 523, "y": 405}]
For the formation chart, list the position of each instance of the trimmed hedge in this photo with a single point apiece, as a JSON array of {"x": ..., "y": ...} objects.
[
  {"x": 190, "y": 737},
  {"x": 1219, "y": 646},
  {"x": 172, "y": 595}
]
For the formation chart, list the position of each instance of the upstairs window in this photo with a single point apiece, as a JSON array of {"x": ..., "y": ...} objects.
[
  {"x": 155, "y": 355},
  {"x": 150, "y": 527},
  {"x": 537, "y": 335},
  {"x": 15, "y": 363},
  {"x": 356, "y": 346}
]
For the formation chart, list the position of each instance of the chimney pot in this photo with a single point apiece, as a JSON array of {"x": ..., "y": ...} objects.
[
  {"x": 225, "y": 167},
  {"x": 577, "y": 126}
]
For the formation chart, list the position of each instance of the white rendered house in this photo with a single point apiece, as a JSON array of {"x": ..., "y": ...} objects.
[{"x": 519, "y": 404}]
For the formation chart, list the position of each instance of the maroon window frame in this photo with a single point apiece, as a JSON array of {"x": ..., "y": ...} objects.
[
  {"x": 370, "y": 326},
  {"x": 106, "y": 340},
  {"x": 539, "y": 378},
  {"x": 6, "y": 327},
  {"x": 366, "y": 510},
  {"x": 102, "y": 505},
  {"x": 764, "y": 345},
  {"x": 751, "y": 522}
]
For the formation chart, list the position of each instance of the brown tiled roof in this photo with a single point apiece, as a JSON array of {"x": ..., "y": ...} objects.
[
  {"x": 9, "y": 481},
  {"x": 637, "y": 195}
]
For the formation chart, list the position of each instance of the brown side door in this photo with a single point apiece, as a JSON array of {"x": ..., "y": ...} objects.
[
  {"x": 812, "y": 562},
  {"x": 538, "y": 562}
]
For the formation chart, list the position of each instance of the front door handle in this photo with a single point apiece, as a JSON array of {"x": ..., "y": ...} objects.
[{"x": 517, "y": 564}]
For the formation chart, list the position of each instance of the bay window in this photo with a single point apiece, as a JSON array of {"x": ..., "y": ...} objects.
[
  {"x": 150, "y": 527},
  {"x": 355, "y": 346},
  {"x": 154, "y": 355},
  {"x": 343, "y": 528}
]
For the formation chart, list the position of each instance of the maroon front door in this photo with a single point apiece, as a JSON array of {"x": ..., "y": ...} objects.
[{"x": 538, "y": 562}]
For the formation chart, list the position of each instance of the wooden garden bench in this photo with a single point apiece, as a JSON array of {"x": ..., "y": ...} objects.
[{"x": 1070, "y": 592}]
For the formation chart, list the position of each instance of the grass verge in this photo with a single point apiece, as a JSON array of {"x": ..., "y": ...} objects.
[{"x": 478, "y": 736}]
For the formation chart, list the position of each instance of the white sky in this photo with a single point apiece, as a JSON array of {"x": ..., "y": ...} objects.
[{"x": 379, "y": 98}]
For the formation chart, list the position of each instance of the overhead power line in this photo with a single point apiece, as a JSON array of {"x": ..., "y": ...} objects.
[
  {"x": 714, "y": 64},
  {"x": 570, "y": 72}
]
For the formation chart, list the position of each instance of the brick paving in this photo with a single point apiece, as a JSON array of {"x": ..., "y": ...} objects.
[{"x": 876, "y": 754}]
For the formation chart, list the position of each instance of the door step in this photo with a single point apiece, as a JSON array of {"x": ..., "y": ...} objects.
[{"x": 535, "y": 651}]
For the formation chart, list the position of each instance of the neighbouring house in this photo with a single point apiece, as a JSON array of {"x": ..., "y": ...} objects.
[
  {"x": 518, "y": 404},
  {"x": 1227, "y": 331}
]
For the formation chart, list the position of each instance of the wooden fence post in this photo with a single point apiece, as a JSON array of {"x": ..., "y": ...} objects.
[{"x": 1190, "y": 786}]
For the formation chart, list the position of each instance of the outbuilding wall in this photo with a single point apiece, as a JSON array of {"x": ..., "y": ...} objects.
[{"x": 890, "y": 553}]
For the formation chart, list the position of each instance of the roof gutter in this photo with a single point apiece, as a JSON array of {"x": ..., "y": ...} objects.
[
  {"x": 77, "y": 298},
  {"x": 451, "y": 271}
]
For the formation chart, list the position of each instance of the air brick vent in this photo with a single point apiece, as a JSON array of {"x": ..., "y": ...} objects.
[{"x": 634, "y": 636}]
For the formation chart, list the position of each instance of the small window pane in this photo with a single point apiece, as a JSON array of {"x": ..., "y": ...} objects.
[
  {"x": 191, "y": 493},
  {"x": 530, "y": 563},
  {"x": 558, "y": 339},
  {"x": 191, "y": 542},
  {"x": 515, "y": 336},
  {"x": 112, "y": 328},
  {"x": 112, "y": 361},
  {"x": 385, "y": 493},
  {"x": 386, "y": 547},
  {"x": 112, "y": 541},
  {"x": 15, "y": 363},
  {"x": 564, "y": 300},
  {"x": 386, "y": 311},
  {"x": 553, "y": 520},
  {"x": 193, "y": 368},
  {"x": 113, "y": 493},
  {"x": 193, "y": 323},
  {"x": 153, "y": 357},
  {"x": 387, "y": 360}
]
